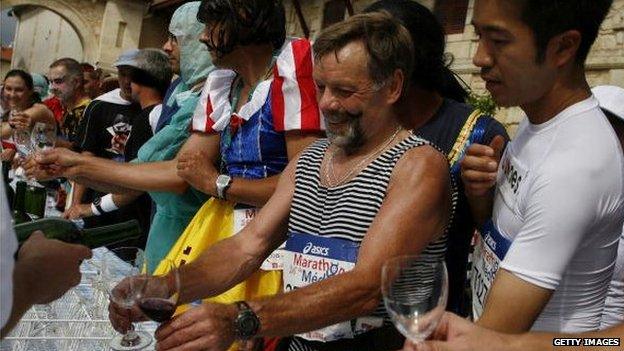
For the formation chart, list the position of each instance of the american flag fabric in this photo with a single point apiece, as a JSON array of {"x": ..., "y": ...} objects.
[{"x": 291, "y": 88}]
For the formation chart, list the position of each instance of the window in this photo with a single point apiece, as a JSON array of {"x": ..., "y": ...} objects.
[{"x": 451, "y": 14}]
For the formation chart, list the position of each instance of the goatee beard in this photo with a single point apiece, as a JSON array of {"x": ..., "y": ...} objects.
[{"x": 353, "y": 139}]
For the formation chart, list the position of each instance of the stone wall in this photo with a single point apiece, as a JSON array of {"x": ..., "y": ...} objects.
[
  {"x": 105, "y": 28},
  {"x": 605, "y": 64}
]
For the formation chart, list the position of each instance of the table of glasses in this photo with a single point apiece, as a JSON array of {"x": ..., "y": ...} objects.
[{"x": 78, "y": 321}]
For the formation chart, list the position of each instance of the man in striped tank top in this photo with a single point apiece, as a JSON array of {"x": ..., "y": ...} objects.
[{"x": 369, "y": 192}]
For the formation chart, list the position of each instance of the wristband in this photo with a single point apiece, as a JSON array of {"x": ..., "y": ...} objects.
[
  {"x": 95, "y": 210},
  {"x": 108, "y": 205}
]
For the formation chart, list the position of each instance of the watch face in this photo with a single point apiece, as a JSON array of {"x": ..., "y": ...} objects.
[
  {"x": 247, "y": 324},
  {"x": 97, "y": 201},
  {"x": 223, "y": 180}
]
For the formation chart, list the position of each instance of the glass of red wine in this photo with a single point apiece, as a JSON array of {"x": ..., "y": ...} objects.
[
  {"x": 159, "y": 296},
  {"x": 119, "y": 268}
]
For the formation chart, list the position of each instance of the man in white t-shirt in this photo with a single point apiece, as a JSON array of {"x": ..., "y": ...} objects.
[
  {"x": 44, "y": 271},
  {"x": 611, "y": 99},
  {"x": 544, "y": 258}
]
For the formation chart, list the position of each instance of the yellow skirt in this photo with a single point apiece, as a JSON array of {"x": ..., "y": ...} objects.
[{"x": 212, "y": 223}]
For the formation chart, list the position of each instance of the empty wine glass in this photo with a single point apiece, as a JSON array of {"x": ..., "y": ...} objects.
[
  {"x": 43, "y": 136},
  {"x": 117, "y": 265},
  {"x": 415, "y": 292},
  {"x": 159, "y": 296}
]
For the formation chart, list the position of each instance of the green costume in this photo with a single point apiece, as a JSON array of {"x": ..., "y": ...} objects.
[{"x": 175, "y": 211}]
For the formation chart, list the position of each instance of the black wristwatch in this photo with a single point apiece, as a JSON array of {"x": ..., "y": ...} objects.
[
  {"x": 247, "y": 323},
  {"x": 97, "y": 202}
]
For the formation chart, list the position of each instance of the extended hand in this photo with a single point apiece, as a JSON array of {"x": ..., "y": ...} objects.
[
  {"x": 197, "y": 170},
  {"x": 480, "y": 165},
  {"x": 20, "y": 120},
  {"x": 54, "y": 163},
  {"x": 455, "y": 333},
  {"x": 122, "y": 317},
  {"x": 78, "y": 211},
  {"x": 206, "y": 327},
  {"x": 48, "y": 268}
]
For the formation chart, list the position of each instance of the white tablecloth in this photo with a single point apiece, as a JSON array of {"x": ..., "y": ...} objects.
[{"x": 78, "y": 321}]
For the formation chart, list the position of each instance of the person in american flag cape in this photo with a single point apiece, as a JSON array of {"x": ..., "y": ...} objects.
[{"x": 257, "y": 111}]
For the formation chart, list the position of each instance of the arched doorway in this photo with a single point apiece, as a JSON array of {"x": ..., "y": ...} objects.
[
  {"x": 62, "y": 31},
  {"x": 41, "y": 37}
]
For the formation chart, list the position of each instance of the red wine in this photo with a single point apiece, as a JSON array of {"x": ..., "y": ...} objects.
[{"x": 157, "y": 309}]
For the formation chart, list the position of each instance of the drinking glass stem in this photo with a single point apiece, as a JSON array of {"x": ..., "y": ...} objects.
[{"x": 131, "y": 338}]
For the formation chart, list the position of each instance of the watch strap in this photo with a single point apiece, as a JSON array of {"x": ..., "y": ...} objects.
[{"x": 247, "y": 322}]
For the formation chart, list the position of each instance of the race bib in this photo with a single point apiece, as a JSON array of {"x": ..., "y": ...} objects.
[
  {"x": 311, "y": 258},
  {"x": 242, "y": 217},
  {"x": 490, "y": 250}
]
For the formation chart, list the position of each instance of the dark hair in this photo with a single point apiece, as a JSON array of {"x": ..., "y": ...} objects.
[
  {"x": 548, "y": 18},
  {"x": 28, "y": 81},
  {"x": 26, "y": 77},
  {"x": 387, "y": 44},
  {"x": 73, "y": 67},
  {"x": 430, "y": 70},
  {"x": 141, "y": 77},
  {"x": 243, "y": 22},
  {"x": 92, "y": 72}
]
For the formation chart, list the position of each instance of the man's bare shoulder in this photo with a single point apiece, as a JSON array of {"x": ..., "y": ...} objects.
[{"x": 422, "y": 161}]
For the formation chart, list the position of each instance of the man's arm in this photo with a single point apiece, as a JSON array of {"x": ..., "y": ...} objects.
[
  {"x": 414, "y": 212},
  {"x": 545, "y": 244},
  {"x": 44, "y": 271},
  {"x": 529, "y": 301},
  {"x": 85, "y": 210},
  {"x": 197, "y": 167},
  {"x": 454, "y": 333}
]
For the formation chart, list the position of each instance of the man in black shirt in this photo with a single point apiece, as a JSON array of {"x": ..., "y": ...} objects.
[
  {"x": 434, "y": 109},
  {"x": 144, "y": 76},
  {"x": 150, "y": 75}
]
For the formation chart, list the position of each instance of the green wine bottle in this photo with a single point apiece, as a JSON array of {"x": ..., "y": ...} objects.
[
  {"x": 19, "y": 210},
  {"x": 67, "y": 231}
]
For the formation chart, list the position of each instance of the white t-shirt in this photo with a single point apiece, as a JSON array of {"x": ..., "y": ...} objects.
[
  {"x": 560, "y": 204},
  {"x": 613, "y": 313},
  {"x": 8, "y": 245}
]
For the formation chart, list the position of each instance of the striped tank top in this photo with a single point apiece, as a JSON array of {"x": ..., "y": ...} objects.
[{"x": 347, "y": 210}]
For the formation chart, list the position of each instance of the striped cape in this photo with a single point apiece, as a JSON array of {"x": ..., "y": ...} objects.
[{"x": 292, "y": 90}]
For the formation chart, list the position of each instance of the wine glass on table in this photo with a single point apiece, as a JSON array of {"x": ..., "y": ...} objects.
[
  {"x": 159, "y": 296},
  {"x": 415, "y": 291},
  {"x": 124, "y": 264}
]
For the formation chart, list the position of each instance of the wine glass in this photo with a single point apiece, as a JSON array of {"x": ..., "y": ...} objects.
[
  {"x": 415, "y": 293},
  {"x": 159, "y": 296},
  {"x": 43, "y": 136},
  {"x": 21, "y": 137},
  {"x": 119, "y": 265}
]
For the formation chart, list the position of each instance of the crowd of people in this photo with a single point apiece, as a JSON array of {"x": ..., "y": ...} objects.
[{"x": 246, "y": 155}]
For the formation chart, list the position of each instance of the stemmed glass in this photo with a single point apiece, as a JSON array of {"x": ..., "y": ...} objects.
[
  {"x": 415, "y": 292},
  {"x": 159, "y": 296},
  {"x": 117, "y": 265},
  {"x": 43, "y": 137},
  {"x": 21, "y": 137}
]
